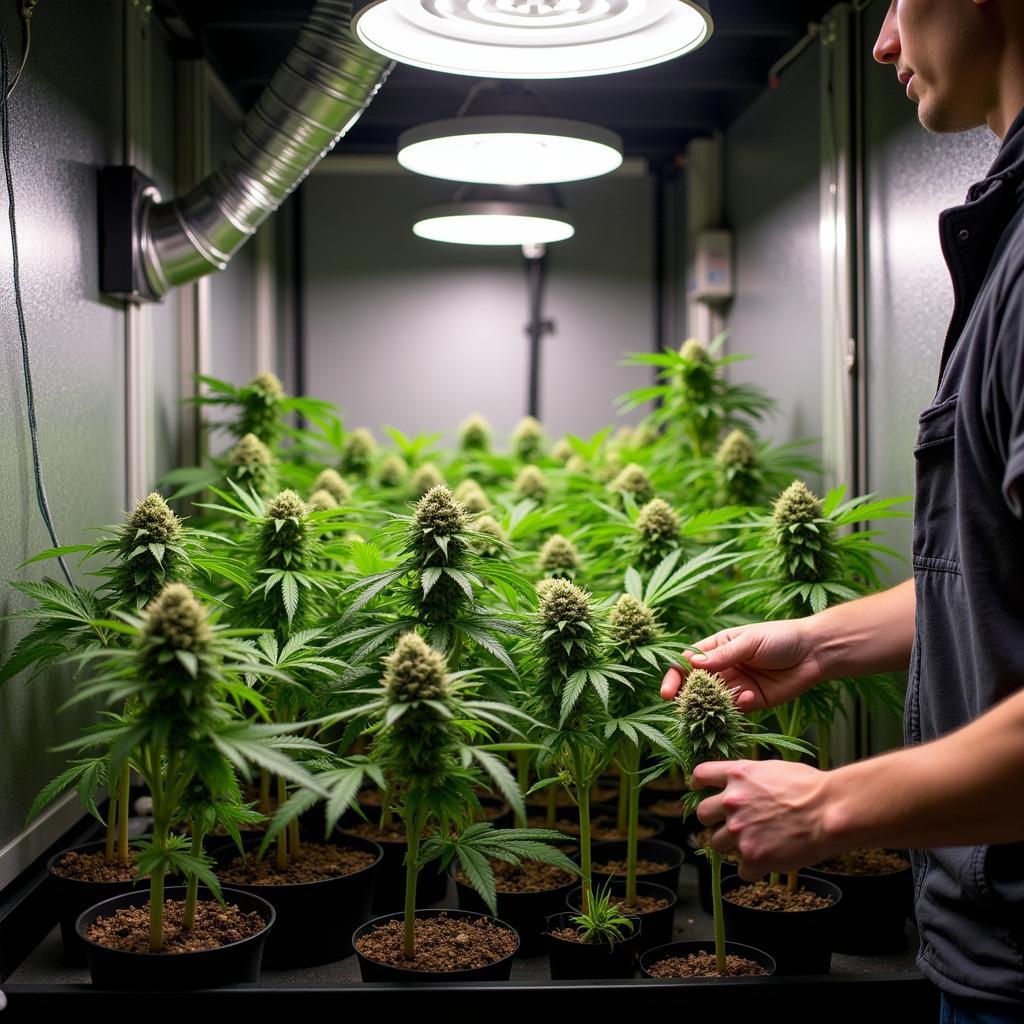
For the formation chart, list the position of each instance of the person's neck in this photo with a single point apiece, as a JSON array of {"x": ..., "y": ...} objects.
[{"x": 1009, "y": 101}]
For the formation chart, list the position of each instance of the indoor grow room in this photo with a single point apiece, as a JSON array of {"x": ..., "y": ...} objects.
[{"x": 393, "y": 394}]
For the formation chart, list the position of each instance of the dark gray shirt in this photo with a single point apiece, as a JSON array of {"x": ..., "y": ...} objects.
[{"x": 968, "y": 555}]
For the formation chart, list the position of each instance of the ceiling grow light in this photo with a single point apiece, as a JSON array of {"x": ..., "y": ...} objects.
[
  {"x": 503, "y": 135},
  {"x": 497, "y": 216},
  {"x": 532, "y": 38}
]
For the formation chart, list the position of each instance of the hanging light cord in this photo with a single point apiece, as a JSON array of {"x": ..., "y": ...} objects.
[
  {"x": 25, "y": 9},
  {"x": 5, "y": 144}
]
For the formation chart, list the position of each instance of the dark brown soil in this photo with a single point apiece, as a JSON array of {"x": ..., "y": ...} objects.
[
  {"x": 319, "y": 861},
  {"x": 762, "y": 896},
  {"x": 601, "y": 828},
  {"x": 91, "y": 867},
  {"x": 666, "y": 808},
  {"x": 618, "y": 867},
  {"x": 394, "y": 833},
  {"x": 703, "y": 838},
  {"x": 540, "y": 799},
  {"x": 703, "y": 965},
  {"x": 442, "y": 944},
  {"x": 128, "y": 928},
  {"x": 642, "y": 905},
  {"x": 532, "y": 876},
  {"x": 371, "y": 798},
  {"x": 865, "y": 862},
  {"x": 571, "y": 828}
]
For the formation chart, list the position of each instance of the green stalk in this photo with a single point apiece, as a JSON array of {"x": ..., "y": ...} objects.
[
  {"x": 264, "y": 804},
  {"x": 774, "y": 878},
  {"x": 582, "y": 784},
  {"x": 387, "y": 816},
  {"x": 455, "y": 655},
  {"x": 282, "y": 836},
  {"x": 108, "y": 853},
  {"x": 413, "y": 829},
  {"x": 192, "y": 894},
  {"x": 523, "y": 778},
  {"x": 156, "y": 893},
  {"x": 792, "y": 881},
  {"x": 824, "y": 741},
  {"x": 123, "y": 801},
  {"x": 625, "y": 784},
  {"x": 634, "y": 824},
  {"x": 716, "y": 897}
]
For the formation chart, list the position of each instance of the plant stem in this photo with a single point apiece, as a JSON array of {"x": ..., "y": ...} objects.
[
  {"x": 455, "y": 655},
  {"x": 156, "y": 892},
  {"x": 523, "y": 778},
  {"x": 625, "y": 785},
  {"x": 282, "y": 836},
  {"x": 123, "y": 801},
  {"x": 192, "y": 894},
  {"x": 716, "y": 898},
  {"x": 264, "y": 805},
  {"x": 792, "y": 881},
  {"x": 108, "y": 853},
  {"x": 774, "y": 878},
  {"x": 413, "y": 828},
  {"x": 824, "y": 742},
  {"x": 634, "y": 824},
  {"x": 583, "y": 799},
  {"x": 387, "y": 816}
]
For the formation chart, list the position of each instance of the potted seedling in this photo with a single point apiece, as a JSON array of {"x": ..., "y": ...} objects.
[
  {"x": 182, "y": 680},
  {"x": 598, "y": 943},
  {"x": 425, "y": 724}
]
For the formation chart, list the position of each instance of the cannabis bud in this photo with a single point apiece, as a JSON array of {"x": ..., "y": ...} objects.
[
  {"x": 152, "y": 522},
  {"x": 562, "y": 603},
  {"x": 610, "y": 468},
  {"x": 414, "y": 671},
  {"x": 438, "y": 512},
  {"x": 528, "y": 439},
  {"x": 393, "y": 471},
  {"x": 330, "y": 480},
  {"x": 694, "y": 351},
  {"x": 658, "y": 524},
  {"x": 269, "y": 384},
  {"x": 260, "y": 400},
  {"x": 287, "y": 505},
  {"x": 802, "y": 538},
  {"x": 635, "y": 481},
  {"x": 177, "y": 620},
  {"x": 563, "y": 451},
  {"x": 577, "y": 464},
  {"x": 736, "y": 450},
  {"x": 475, "y": 434},
  {"x": 622, "y": 438},
  {"x": 357, "y": 452},
  {"x": 643, "y": 435},
  {"x": 494, "y": 537},
  {"x": 633, "y": 623},
  {"x": 322, "y": 501},
  {"x": 711, "y": 728},
  {"x": 531, "y": 483},
  {"x": 471, "y": 494},
  {"x": 426, "y": 477},
  {"x": 250, "y": 461},
  {"x": 559, "y": 557}
]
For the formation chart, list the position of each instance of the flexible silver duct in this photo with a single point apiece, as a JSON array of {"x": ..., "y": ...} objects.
[{"x": 320, "y": 91}]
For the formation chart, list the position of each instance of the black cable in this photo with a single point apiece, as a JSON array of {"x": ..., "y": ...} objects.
[
  {"x": 25, "y": 9},
  {"x": 5, "y": 144}
]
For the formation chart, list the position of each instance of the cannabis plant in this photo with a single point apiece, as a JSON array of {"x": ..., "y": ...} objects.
[
  {"x": 251, "y": 464},
  {"x": 426, "y": 478},
  {"x": 183, "y": 678},
  {"x": 475, "y": 434},
  {"x": 427, "y": 724},
  {"x": 528, "y": 439},
  {"x": 559, "y": 558},
  {"x": 604, "y": 921},
  {"x": 531, "y": 483},
  {"x": 358, "y": 453},
  {"x": 393, "y": 471}
]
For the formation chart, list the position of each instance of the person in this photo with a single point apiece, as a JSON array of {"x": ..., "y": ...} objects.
[{"x": 953, "y": 795}]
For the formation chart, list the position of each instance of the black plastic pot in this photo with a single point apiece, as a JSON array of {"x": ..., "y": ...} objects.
[
  {"x": 872, "y": 918},
  {"x": 576, "y": 960},
  {"x": 610, "y": 813},
  {"x": 210, "y": 968},
  {"x": 315, "y": 920},
  {"x": 673, "y": 828},
  {"x": 656, "y": 926},
  {"x": 389, "y": 883},
  {"x": 527, "y": 912},
  {"x": 799, "y": 940},
  {"x": 504, "y": 816},
  {"x": 71, "y": 897},
  {"x": 371, "y": 970},
  {"x": 647, "y": 849},
  {"x": 672, "y": 949},
  {"x": 704, "y": 873}
]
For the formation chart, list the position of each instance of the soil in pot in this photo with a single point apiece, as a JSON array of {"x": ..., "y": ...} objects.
[
  {"x": 877, "y": 899},
  {"x": 451, "y": 945},
  {"x": 657, "y": 862},
  {"x": 527, "y": 895},
  {"x": 797, "y": 929},
  {"x": 81, "y": 878},
  {"x": 571, "y": 958},
  {"x": 643, "y": 867},
  {"x": 705, "y": 965},
  {"x": 389, "y": 886},
  {"x": 603, "y": 827},
  {"x": 320, "y": 897},
  {"x": 226, "y": 946}
]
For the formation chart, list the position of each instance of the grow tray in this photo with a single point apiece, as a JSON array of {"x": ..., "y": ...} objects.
[{"x": 859, "y": 988}]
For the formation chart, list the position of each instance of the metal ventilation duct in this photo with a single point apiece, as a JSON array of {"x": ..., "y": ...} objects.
[{"x": 317, "y": 94}]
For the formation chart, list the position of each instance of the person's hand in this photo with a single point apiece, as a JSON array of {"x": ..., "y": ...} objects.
[
  {"x": 765, "y": 663},
  {"x": 770, "y": 812}
]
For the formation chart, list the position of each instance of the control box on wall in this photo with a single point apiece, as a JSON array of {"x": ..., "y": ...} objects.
[{"x": 711, "y": 277}]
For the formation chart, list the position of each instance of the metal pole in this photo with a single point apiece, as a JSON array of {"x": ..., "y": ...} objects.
[{"x": 535, "y": 258}]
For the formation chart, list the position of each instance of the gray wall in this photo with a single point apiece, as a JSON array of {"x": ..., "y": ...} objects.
[
  {"x": 418, "y": 334},
  {"x": 772, "y": 160}
]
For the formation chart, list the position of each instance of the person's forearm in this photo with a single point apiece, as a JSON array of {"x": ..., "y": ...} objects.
[
  {"x": 959, "y": 790},
  {"x": 872, "y": 634}
]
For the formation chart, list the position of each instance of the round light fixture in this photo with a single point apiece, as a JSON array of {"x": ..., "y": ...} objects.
[
  {"x": 509, "y": 149},
  {"x": 532, "y": 38},
  {"x": 528, "y": 216}
]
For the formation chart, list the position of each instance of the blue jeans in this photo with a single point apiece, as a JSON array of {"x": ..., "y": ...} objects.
[{"x": 954, "y": 1010}]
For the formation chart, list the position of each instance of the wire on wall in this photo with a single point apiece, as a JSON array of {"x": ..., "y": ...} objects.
[{"x": 5, "y": 145}]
